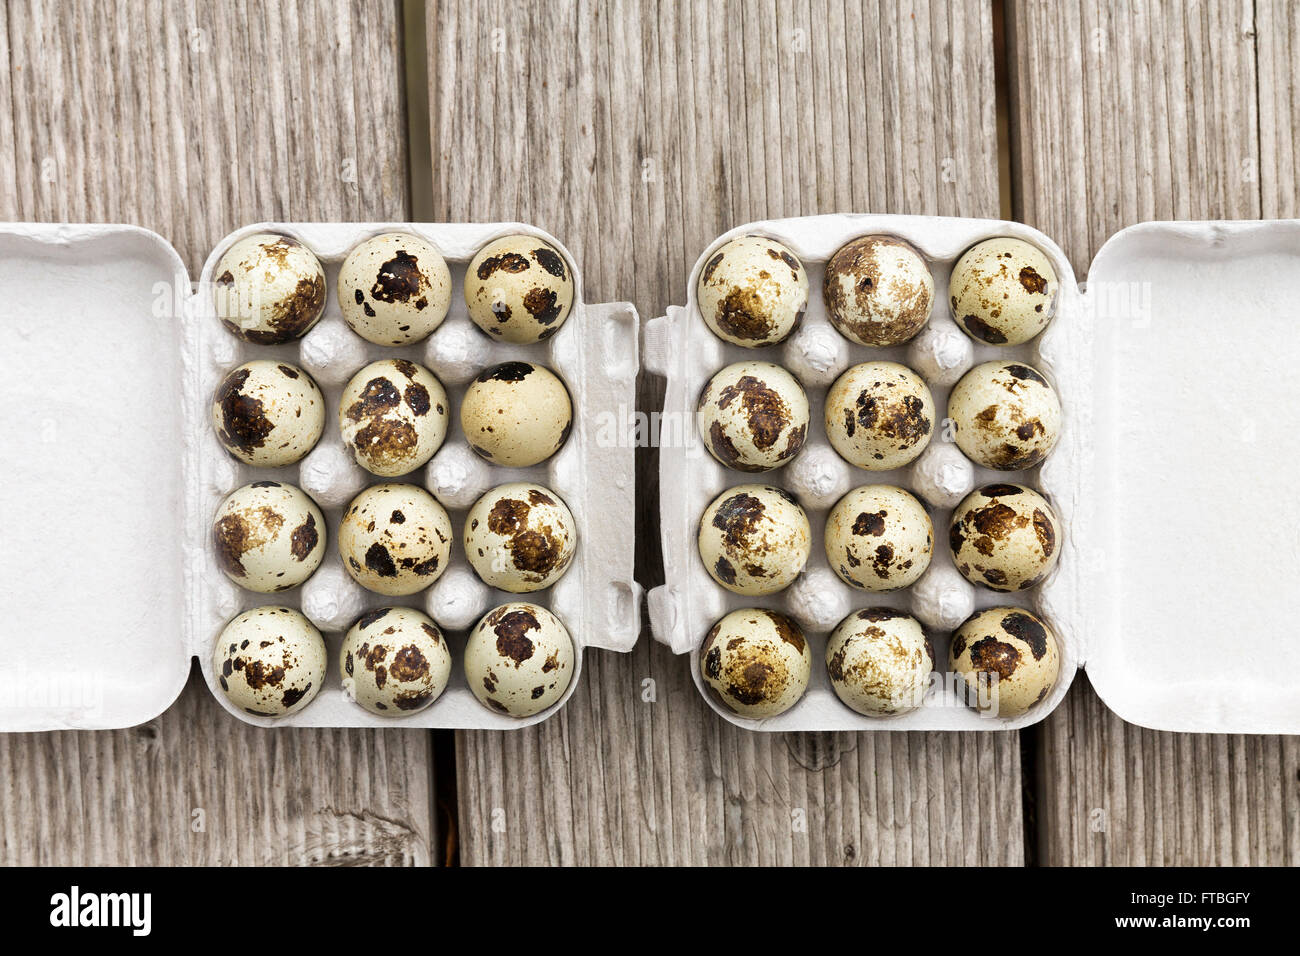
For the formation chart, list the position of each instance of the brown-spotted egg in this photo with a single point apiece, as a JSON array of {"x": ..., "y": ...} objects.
[
  {"x": 754, "y": 539},
  {"x": 878, "y": 291},
  {"x": 879, "y": 538},
  {"x": 753, "y": 292},
  {"x": 880, "y": 661},
  {"x": 268, "y": 414},
  {"x": 269, "y": 289},
  {"x": 1007, "y": 658},
  {"x": 516, "y": 414},
  {"x": 268, "y": 536},
  {"x": 753, "y": 416},
  {"x": 1005, "y": 415},
  {"x": 1003, "y": 291},
  {"x": 519, "y": 659},
  {"x": 879, "y": 415},
  {"x": 756, "y": 662},
  {"x": 395, "y": 539},
  {"x": 1005, "y": 537},
  {"x": 270, "y": 661},
  {"x": 393, "y": 416},
  {"x": 394, "y": 289},
  {"x": 519, "y": 289},
  {"x": 394, "y": 661},
  {"x": 520, "y": 537}
]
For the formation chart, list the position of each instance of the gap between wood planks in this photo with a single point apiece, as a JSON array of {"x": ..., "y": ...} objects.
[{"x": 418, "y": 99}]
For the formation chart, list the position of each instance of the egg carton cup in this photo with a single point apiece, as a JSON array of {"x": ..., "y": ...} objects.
[
  {"x": 1174, "y": 476},
  {"x": 112, "y": 515}
]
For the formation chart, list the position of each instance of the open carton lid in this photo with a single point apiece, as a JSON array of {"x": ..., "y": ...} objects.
[
  {"x": 93, "y": 597},
  {"x": 1189, "y": 525}
]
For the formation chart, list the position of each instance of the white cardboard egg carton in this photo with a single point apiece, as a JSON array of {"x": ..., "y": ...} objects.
[
  {"x": 108, "y": 577},
  {"x": 1175, "y": 475}
]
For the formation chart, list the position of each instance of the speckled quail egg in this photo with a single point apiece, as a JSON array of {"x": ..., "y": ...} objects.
[
  {"x": 394, "y": 289},
  {"x": 268, "y": 536},
  {"x": 519, "y": 289},
  {"x": 516, "y": 414},
  {"x": 1005, "y": 537},
  {"x": 878, "y": 291},
  {"x": 393, "y": 416},
  {"x": 395, "y": 539},
  {"x": 268, "y": 414},
  {"x": 754, "y": 539},
  {"x": 753, "y": 416},
  {"x": 879, "y": 538},
  {"x": 1008, "y": 659},
  {"x": 879, "y": 415},
  {"x": 753, "y": 292},
  {"x": 270, "y": 661},
  {"x": 269, "y": 289},
  {"x": 519, "y": 659},
  {"x": 520, "y": 537},
  {"x": 880, "y": 661},
  {"x": 756, "y": 662},
  {"x": 1005, "y": 415},
  {"x": 1003, "y": 291},
  {"x": 394, "y": 661}
]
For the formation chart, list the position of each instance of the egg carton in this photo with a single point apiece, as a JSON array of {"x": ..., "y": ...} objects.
[
  {"x": 1173, "y": 363},
  {"x": 113, "y": 583}
]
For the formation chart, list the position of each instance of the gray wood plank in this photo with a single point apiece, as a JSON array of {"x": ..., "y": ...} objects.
[
  {"x": 192, "y": 118},
  {"x": 636, "y": 132},
  {"x": 1121, "y": 114}
]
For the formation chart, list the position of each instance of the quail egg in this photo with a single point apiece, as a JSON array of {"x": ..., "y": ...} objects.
[
  {"x": 1008, "y": 660},
  {"x": 394, "y": 661},
  {"x": 878, "y": 291},
  {"x": 756, "y": 662},
  {"x": 268, "y": 414},
  {"x": 880, "y": 661},
  {"x": 753, "y": 416},
  {"x": 1005, "y": 415},
  {"x": 393, "y": 416},
  {"x": 1005, "y": 537},
  {"x": 754, "y": 539},
  {"x": 879, "y": 415},
  {"x": 394, "y": 289},
  {"x": 270, "y": 661},
  {"x": 879, "y": 538},
  {"x": 269, "y": 289},
  {"x": 753, "y": 292},
  {"x": 520, "y": 537},
  {"x": 1003, "y": 291},
  {"x": 268, "y": 536},
  {"x": 516, "y": 414},
  {"x": 519, "y": 289},
  {"x": 519, "y": 659},
  {"x": 395, "y": 539}
]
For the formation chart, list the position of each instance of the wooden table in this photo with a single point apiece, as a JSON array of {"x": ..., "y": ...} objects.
[{"x": 637, "y": 131}]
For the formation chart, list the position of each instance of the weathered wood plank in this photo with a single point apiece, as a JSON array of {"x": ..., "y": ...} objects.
[
  {"x": 1122, "y": 114},
  {"x": 193, "y": 118},
  {"x": 636, "y": 132}
]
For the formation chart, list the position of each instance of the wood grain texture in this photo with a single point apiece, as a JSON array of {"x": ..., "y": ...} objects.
[
  {"x": 1122, "y": 114},
  {"x": 192, "y": 118},
  {"x": 636, "y": 132}
]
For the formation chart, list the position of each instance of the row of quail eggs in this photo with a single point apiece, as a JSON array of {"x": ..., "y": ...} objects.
[
  {"x": 394, "y": 661},
  {"x": 394, "y": 538},
  {"x": 753, "y": 417}
]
